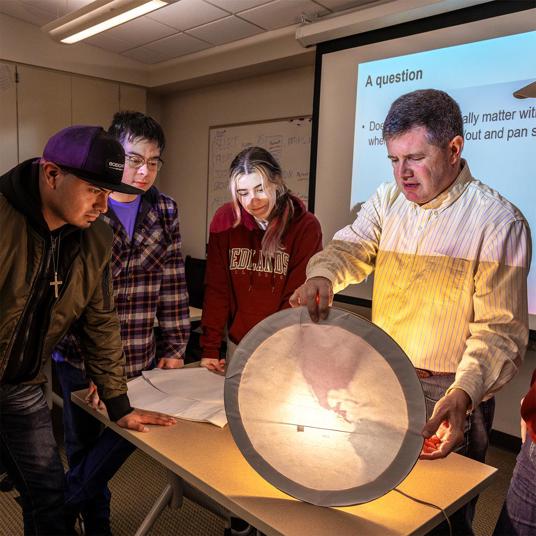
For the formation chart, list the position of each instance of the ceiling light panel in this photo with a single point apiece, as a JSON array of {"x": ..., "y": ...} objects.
[
  {"x": 140, "y": 31},
  {"x": 97, "y": 17}
]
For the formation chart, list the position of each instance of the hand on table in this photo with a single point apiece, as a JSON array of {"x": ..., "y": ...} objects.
[
  {"x": 138, "y": 418},
  {"x": 215, "y": 365},
  {"x": 317, "y": 294},
  {"x": 445, "y": 429},
  {"x": 170, "y": 363},
  {"x": 92, "y": 397}
]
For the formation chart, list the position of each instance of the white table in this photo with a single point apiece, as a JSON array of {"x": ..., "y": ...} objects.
[{"x": 187, "y": 450}]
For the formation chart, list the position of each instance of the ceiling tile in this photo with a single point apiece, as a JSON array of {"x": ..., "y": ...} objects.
[
  {"x": 31, "y": 14},
  {"x": 235, "y": 6},
  {"x": 140, "y": 31},
  {"x": 225, "y": 30},
  {"x": 339, "y": 5},
  {"x": 73, "y": 5},
  {"x": 109, "y": 43},
  {"x": 58, "y": 8},
  {"x": 282, "y": 13},
  {"x": 176, "y": 45},
  {"x": 186, "y": 14},
  {"x": 144, "y": 55}
]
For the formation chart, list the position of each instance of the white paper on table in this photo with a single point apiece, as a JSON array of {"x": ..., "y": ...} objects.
[
  {"x": 192, "y": 383},
  {"x": 206, "y": 411},
  {"x": 142, "y": 394}
]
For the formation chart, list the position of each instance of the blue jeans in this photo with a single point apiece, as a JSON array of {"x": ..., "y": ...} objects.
[
  {"x": 29, "y": 453},
  {"x": 94, "y": 453},
  {"x": 518, "y": 516},
  {"x": 474, "y": 446}
]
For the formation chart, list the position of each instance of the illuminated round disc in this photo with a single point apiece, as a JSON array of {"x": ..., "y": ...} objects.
[{"x": 329, "y": 413}]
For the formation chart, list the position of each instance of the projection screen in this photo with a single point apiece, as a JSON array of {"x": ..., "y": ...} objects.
[{"x": 481, "y": 63}]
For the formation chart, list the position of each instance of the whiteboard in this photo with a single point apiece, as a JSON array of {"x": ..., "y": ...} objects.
[{"x": 289, "y": 141}]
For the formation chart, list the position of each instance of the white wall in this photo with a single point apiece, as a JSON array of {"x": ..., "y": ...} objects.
[
  {"x": 42, "y": 101},
  {"x": 22, "y": 42},
  {"x": 187, "y": 116}
]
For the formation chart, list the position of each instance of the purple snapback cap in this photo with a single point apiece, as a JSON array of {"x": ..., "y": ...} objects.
[{"x": 92, "y": 155}]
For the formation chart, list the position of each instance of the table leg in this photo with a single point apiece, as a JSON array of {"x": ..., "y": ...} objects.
[
  {"x": 155, "y": 511},
  {"x": 205, "y": 501},
  {"x": 172, "y": 495}
]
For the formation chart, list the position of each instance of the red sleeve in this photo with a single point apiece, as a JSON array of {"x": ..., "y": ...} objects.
[
  {"x": 528, "y": 408},
  {"x": 217, "y": 299},
  {"x": 308, "y": 242}
]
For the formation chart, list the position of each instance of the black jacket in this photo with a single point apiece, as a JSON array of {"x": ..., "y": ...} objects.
[{"x": 32, "y": 321}]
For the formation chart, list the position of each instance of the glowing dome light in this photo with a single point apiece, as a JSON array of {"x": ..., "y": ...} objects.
[{"x": 329, "y": 413}]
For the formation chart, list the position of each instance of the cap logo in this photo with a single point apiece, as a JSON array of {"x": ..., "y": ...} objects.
[
  {"x": 91, "y": 155},
  {"x": 120, "y": 166}
]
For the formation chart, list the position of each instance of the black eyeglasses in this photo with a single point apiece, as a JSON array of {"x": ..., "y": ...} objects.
[{"x": 136, "y": 162}]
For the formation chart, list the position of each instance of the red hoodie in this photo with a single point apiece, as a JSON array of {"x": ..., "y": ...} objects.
[
  {"x": 528, "y": 408},
  {"x": 241, "y": 290}
]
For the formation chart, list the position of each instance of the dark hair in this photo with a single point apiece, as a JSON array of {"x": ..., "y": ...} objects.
[
  {"x": 259, "y": 160},
  {"x": 128, "y": 125},
  {"x": 432, "y": 109}
]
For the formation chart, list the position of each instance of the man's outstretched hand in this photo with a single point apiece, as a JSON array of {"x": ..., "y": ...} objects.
[
  {"x": 138, "y": 418},
  {"x": 317, "y": 295},
  {"x": 445, "y": 429}
]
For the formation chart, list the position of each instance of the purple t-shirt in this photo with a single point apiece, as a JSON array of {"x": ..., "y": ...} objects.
[{"x": 126, "y": 212}]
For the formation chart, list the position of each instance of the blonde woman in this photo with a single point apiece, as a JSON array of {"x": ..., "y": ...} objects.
[{"x": 258, "y": 249}]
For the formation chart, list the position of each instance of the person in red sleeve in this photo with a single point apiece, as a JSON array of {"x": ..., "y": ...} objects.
[
  {"x": 518, "y": 516},
  {"x": 258, "y": 249},
  {"x": 528, "y": 409}
]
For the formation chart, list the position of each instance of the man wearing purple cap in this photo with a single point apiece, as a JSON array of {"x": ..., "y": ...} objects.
[{"x": 55, "y": 274}]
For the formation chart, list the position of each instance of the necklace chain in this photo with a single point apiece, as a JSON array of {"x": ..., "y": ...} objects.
[{"x": 55, "y": 241}]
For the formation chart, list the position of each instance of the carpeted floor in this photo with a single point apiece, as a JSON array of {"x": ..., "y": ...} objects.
[
  {"x": 131, "y": 502},
  {"x": 127, "y": 514}
]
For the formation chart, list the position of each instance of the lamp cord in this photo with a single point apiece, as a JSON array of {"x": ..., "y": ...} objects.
[{"x": 420, "y": 501}]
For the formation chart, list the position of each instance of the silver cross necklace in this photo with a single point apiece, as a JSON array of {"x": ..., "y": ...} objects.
[{"x": 56, "y": 261}]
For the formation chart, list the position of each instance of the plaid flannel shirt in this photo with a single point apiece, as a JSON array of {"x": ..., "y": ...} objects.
[{"x": 149, "y": 283}]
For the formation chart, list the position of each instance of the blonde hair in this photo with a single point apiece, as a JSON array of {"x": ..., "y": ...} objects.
[{"x": 259, "y": 160}]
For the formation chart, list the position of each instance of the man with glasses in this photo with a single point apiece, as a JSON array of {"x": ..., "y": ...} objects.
[
  {"x": 54, "y": 271},
  {"x": 149, "y": 285}
]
